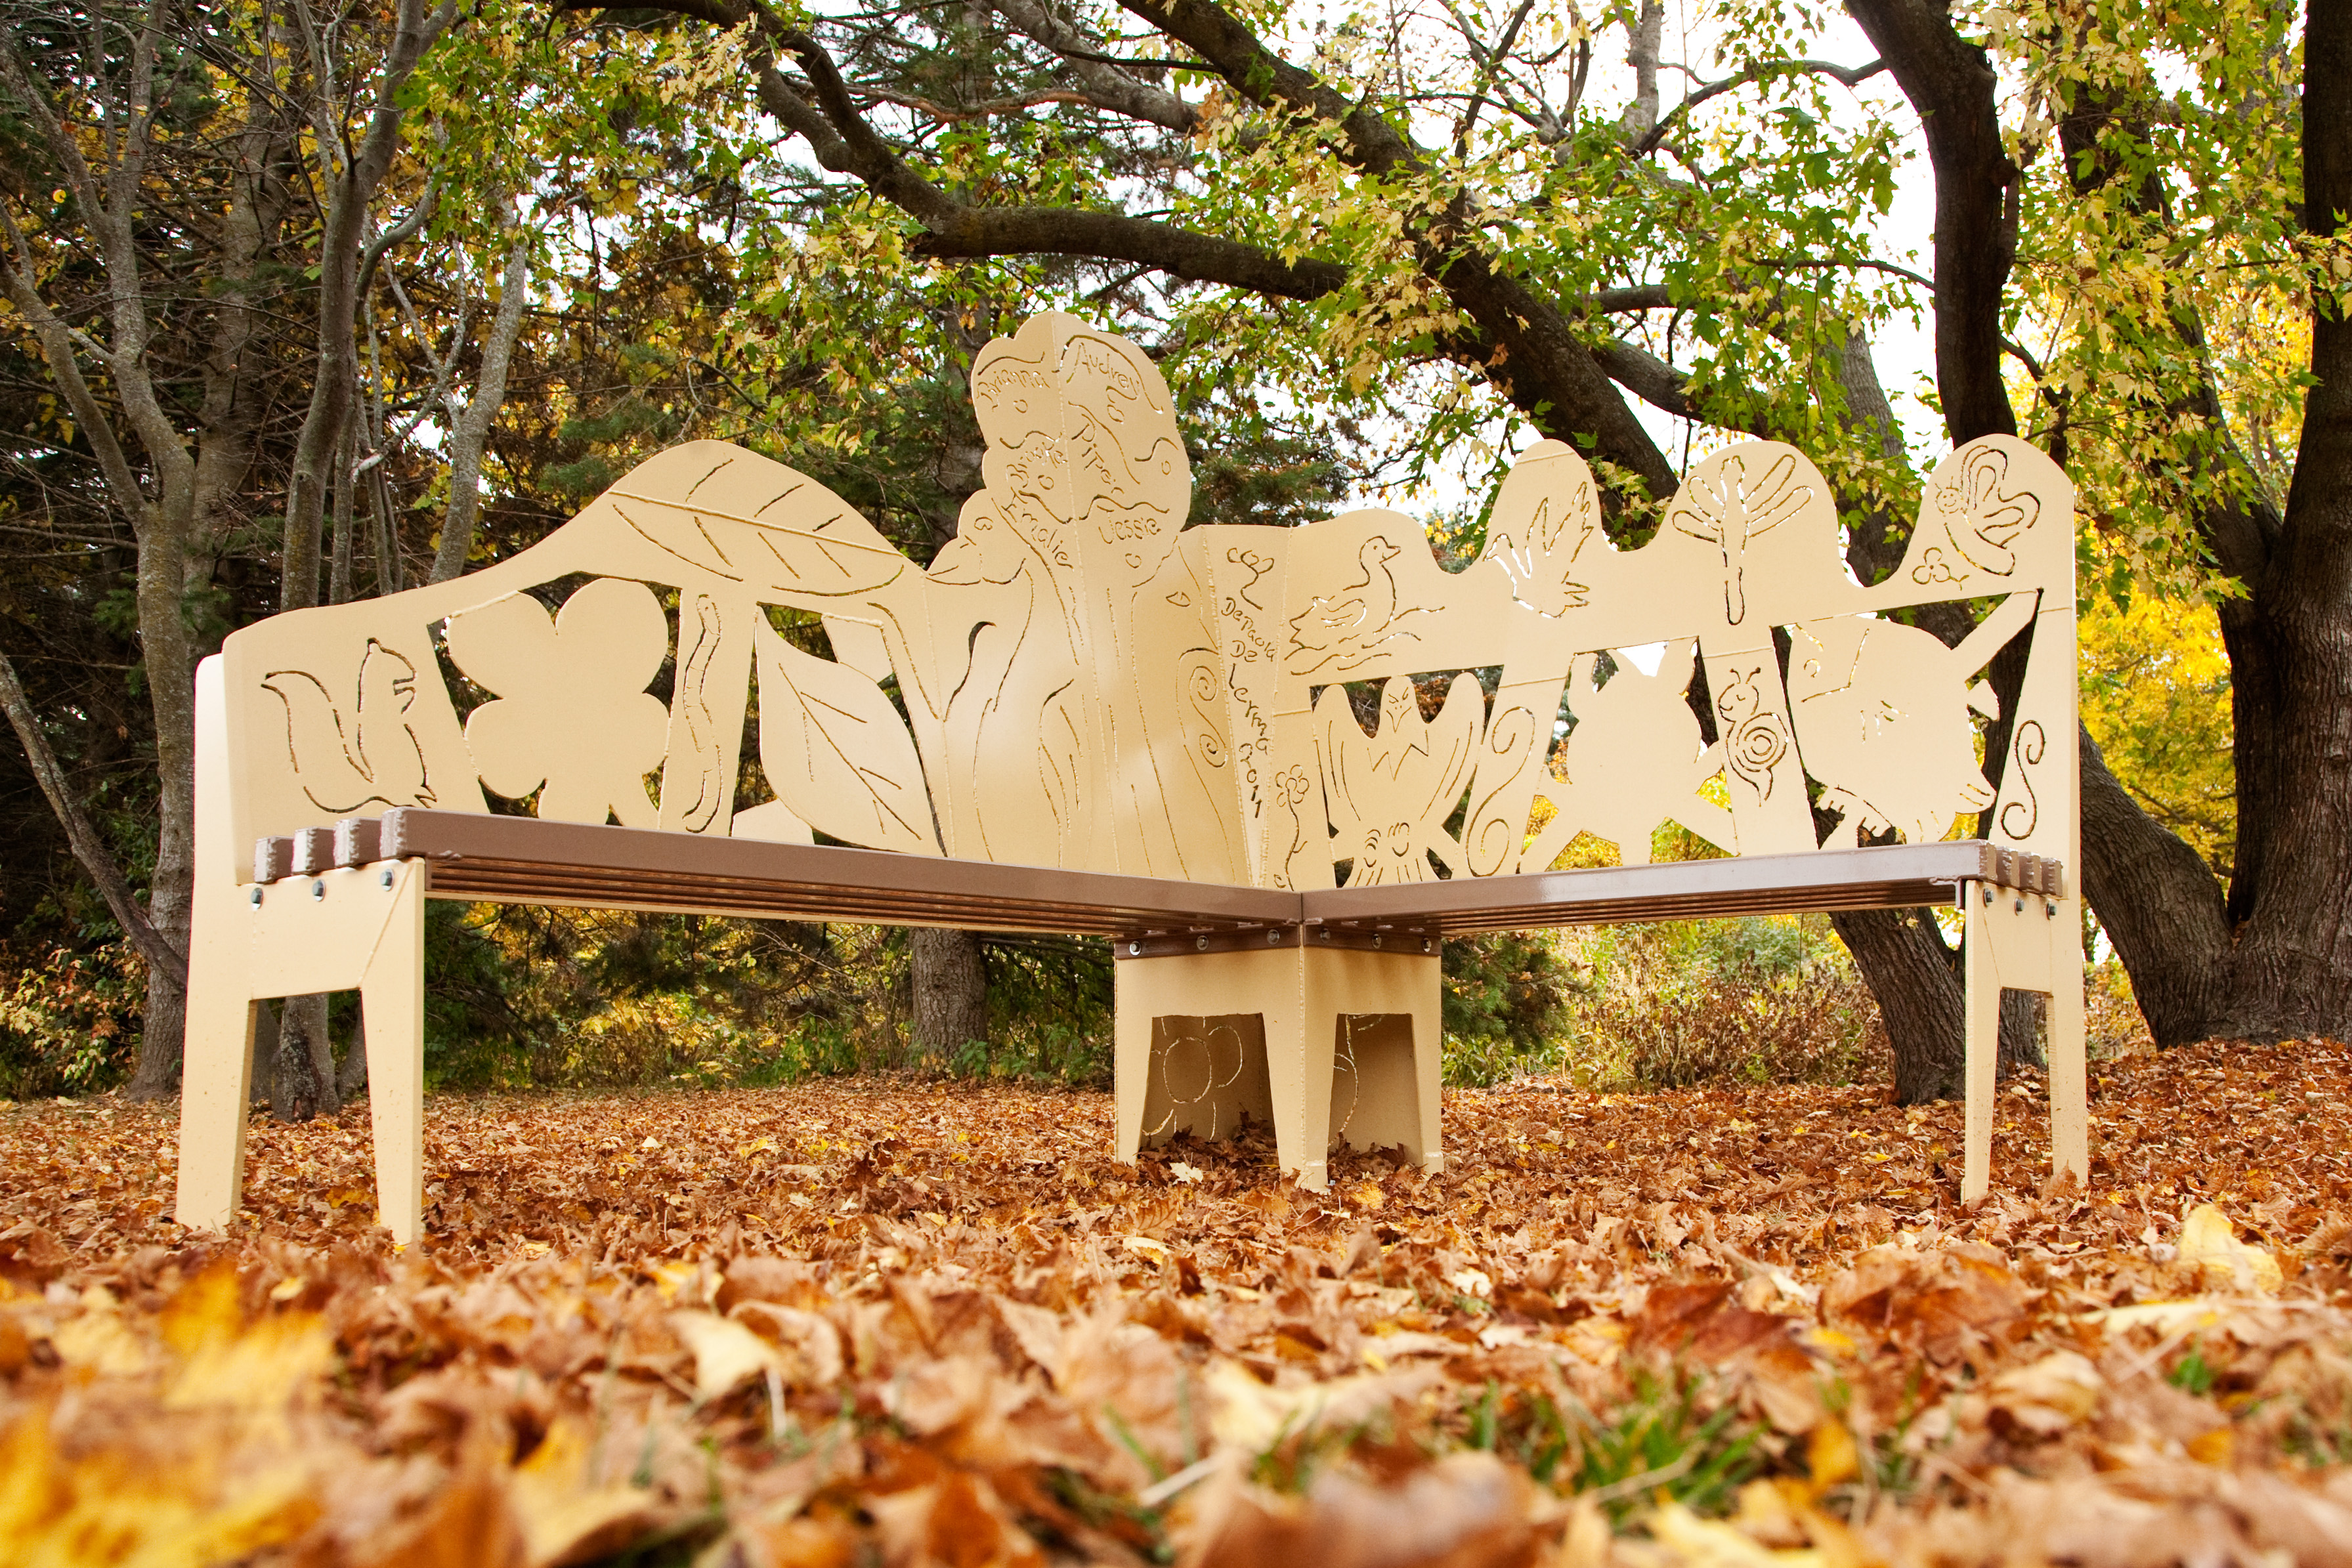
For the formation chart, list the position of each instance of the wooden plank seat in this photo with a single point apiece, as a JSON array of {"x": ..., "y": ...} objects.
[
  {"x": 1277, "y": 767},
  {"x": 522, "y": 860}
]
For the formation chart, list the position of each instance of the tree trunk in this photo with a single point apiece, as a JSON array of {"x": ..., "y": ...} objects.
[
  {"x": 1914, "y": 975},
  {"x": 1903, "y": 957},
  {"x": 264, "y": 1084},
  {"x": 470, "y": 435},
  {"x": 951, "y": 994},
  {"x": 351, "y": 1078},
  {"x": 951, "y": 982},
  {"x": 303, "y": 1072},
  {"x": 2272, "y": 958},
  {"x": 339, "y": 563},
  {"x": 168, "y": 650}
]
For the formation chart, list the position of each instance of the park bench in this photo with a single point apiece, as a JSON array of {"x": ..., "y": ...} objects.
[{"x": 1277, "y": 767}]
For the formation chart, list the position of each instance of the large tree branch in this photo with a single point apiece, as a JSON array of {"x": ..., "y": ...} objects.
[
  {"x": 1522, "y": 340},
  {"x": 856, "y": 147},
  {"x": 1647, "y": 377},
  {"x": 1182, "y": 253},
  {"x": 1106, "y": 85},
  {"x": 955, "y": 231},
  {"x": 1950, "y": 84}
]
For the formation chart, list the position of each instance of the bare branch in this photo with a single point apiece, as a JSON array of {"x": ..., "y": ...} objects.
[
  {"x": 109, "y": 219},
  {"x": 399, "y": 233},
  {"x": 87, "y": 847},
  {"x": 1852, "y": 76},
  {"x": 56, "y": 343},
  {"x": 349, "y": 189}
]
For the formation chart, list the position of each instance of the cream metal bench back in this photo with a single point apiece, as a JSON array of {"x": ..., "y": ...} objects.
[{"x": 1080, "y": 682}]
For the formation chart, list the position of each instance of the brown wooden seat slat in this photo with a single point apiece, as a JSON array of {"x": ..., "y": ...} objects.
[
  {"x": 1887, "y": 876},
  {"x": 523, "y": 860}
]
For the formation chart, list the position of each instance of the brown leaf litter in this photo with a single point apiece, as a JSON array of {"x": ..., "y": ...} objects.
[{"x": 915, "y": 1323}]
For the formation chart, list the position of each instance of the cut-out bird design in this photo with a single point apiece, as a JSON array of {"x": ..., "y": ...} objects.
[
  {"x": 1389, "y": 794},
  {"x": 1344, "y": 629},
  {"x": 373, "y": 757}
]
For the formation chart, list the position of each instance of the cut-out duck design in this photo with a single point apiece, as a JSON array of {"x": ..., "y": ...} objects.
[
  {"x": 371, "y": 758},
  {"x": 1347, "y": 626}
]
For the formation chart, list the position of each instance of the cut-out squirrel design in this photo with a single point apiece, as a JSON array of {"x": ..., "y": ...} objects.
[{"x": 374, "y": 758}]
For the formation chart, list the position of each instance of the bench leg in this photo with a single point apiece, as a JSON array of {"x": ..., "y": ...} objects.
[
  {"x": 391, "y": 1007},
  {"x": 2026, "y": 943},
  {"x": 359, "y": 928},
  {"x": 1386, "y": 1005},
  {"x": 216, "y": 1061},
  {"x": 2070, "y": 1100},
  {"x": 216, "y": 1076},
  {"x": 1207, "y": 990},
  {"x": 1428, "y": 1146},
  {"x": 1981, "y": 968},
  {"x": 1144, "y": 990},
  {"x": 1299, "y": 1060}
]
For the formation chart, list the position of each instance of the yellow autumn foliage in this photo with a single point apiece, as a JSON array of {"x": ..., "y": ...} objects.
[{"x": 2155, "y": 696}]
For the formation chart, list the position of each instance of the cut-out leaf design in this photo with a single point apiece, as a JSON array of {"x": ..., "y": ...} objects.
[
  {"x": 837, "y": 752},
  {"x": 749, "y": 519}
]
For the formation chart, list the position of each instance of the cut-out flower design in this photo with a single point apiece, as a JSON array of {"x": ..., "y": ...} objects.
[{"x": 572, "y": 712}]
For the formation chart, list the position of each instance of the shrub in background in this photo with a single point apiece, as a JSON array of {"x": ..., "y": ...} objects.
[
  {"x": 1505, "y": 1005},
  {"x": 70, "y": 1020},
  {"x": 1763, "y": 1000}
]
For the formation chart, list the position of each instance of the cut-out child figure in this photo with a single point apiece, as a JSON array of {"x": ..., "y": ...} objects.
[
  {"x": 1086, "y": 476},
  {"x": 1052, "y": 656}
]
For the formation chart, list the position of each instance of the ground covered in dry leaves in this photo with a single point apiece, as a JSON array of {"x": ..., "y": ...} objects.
[{"x": 912, "y": 1323}]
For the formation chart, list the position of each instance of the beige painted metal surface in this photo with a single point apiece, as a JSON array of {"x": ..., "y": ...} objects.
[
  {"x": 1079, "y": 685},
  {"x": 1340, "y": 1044},
  {"x": 355, "y": 927}
]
